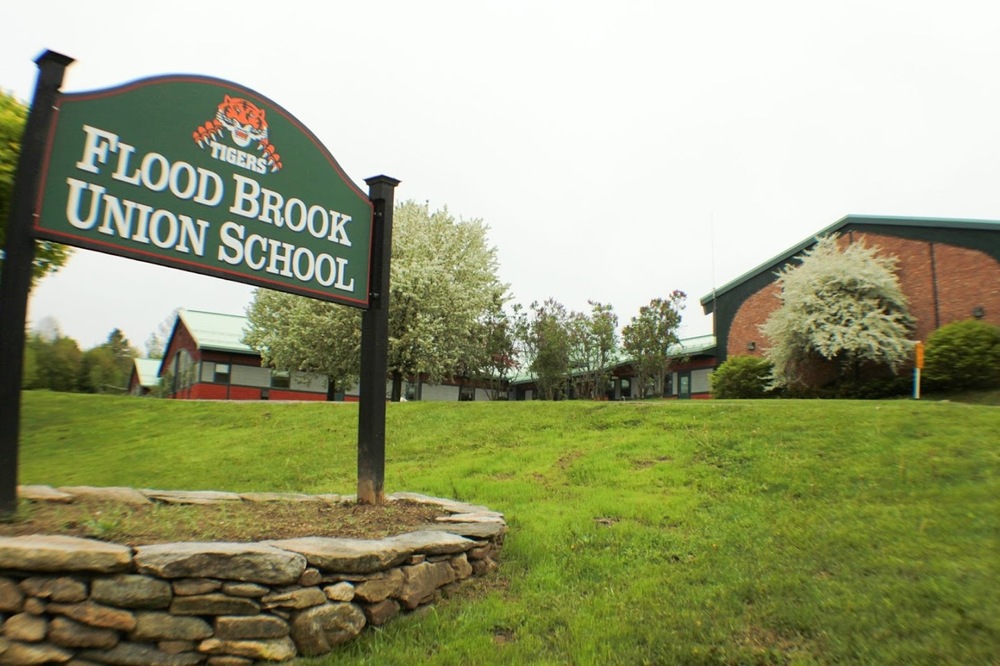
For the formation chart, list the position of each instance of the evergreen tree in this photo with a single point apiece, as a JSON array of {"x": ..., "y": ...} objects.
[{"x": 107, "y": 367}]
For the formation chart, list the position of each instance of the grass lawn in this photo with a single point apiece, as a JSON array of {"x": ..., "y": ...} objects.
[{"x": 715, "y": 532}]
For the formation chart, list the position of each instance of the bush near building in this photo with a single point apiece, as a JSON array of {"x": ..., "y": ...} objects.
[
  {"x": 963, "y": 355},
  {"x": 742, "y": 377}
]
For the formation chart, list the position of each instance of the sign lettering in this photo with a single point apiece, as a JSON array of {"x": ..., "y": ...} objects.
[{"x": 128, "y": 178}]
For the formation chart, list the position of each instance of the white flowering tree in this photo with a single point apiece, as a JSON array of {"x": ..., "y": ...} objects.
[
  {"x": 842, "y": 305},
  {"x": 443, "y": 280},
  {"x": 297, "y": 333}
]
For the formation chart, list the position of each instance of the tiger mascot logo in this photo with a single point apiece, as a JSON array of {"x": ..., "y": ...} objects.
[{"x": 246, "y": 122}]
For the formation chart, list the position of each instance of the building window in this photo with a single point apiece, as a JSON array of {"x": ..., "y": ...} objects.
[
  {"x": 412, "y": 391},
  {"x": 281, "y": 379},
  {"x": 185, "y": 370},
  {"x": 221, "y": 375}
]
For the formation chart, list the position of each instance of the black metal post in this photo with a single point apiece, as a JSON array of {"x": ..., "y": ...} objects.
[
  {"x": 375, "y": 348},
  {"x": 15, "y": 276}
]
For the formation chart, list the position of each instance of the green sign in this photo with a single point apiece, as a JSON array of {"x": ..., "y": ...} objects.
[{"x": 206, "y": 176}]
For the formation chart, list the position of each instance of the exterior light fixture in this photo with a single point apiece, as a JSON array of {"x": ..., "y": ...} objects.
[
  {"x": 751, "y": 345},
  {"x": 979, "y": 312}
]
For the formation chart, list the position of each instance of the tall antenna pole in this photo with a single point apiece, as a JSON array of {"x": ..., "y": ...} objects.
[{"x": 711, "y": 243}]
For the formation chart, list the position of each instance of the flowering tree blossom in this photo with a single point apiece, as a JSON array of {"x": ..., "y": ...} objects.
[
  {"x": 841, "y": 305},
  {"x": 443, "y": 279}
]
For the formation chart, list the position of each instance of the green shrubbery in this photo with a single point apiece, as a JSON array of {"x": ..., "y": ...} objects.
[
  {"x": 742, "y": 377},
  {"x": 963, "y": 355},
  {"x": 870, "y": 388},
  {"x": 751, "y": 377}
]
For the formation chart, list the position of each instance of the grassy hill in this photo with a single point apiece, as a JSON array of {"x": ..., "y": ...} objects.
[{"x": 691, "y": 532}]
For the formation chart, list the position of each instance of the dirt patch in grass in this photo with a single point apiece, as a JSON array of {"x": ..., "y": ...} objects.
[{"x": 134, "y": 525}]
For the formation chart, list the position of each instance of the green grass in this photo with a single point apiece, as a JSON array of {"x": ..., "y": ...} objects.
[{"x": 716, "y": 532}]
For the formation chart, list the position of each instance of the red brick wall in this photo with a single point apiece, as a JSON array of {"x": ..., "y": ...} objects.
[
  {"x": 965, "y": 279},
  {"x": 745, "y": 328}
]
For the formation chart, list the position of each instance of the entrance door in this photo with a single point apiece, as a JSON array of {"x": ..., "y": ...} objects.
[{"x": 684, "y": 385}]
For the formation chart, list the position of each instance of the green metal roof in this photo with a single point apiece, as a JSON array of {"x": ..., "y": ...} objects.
[
  {"x": 148, "y": 370},
  {"x": 217, "y": 332},
  {"x": 689, "y": 346},
  {"x": 707, "y": 301}
]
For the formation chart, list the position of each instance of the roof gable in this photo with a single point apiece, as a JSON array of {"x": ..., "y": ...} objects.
[
  {"x": 148, "y": 371},
  {"x": 217, "y": 332},
  {"x": 861, "y": 221}
]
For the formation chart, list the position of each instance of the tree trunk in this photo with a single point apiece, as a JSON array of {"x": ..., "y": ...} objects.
[{"x": 397, "y": 386}]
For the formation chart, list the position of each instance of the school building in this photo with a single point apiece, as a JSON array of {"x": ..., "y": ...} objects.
[{"x": 949, "y": 270}]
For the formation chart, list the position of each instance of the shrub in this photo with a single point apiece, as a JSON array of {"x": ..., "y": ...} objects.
[
  {"x": 742, "y": 377},
  {"x": 872, "y": 388},
  {"x": 963, "y": 355}
]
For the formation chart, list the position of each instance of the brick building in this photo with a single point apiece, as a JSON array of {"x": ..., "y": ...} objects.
[{"x": 949, "y": 270}]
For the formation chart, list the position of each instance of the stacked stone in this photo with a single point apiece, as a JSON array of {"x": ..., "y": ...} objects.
[{"x": 65, "y": 600}]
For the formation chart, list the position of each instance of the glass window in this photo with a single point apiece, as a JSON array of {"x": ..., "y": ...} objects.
[
  {"x": 221, "y": 375},
  {"x": 186, "y": 369},
  {"x": 280, "y": 379},
  {"x": 412, "y": 391},
  {"x": 247, "y": 375}
]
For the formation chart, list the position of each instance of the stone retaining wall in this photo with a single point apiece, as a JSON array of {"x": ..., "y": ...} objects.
[{"x": 67, "y": 600}]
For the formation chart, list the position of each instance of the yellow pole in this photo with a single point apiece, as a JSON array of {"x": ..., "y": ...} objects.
[{"x": 917, "y": 367}]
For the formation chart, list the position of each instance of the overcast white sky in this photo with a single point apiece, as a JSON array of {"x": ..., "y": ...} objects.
[{"x": 617, "y": 150}]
